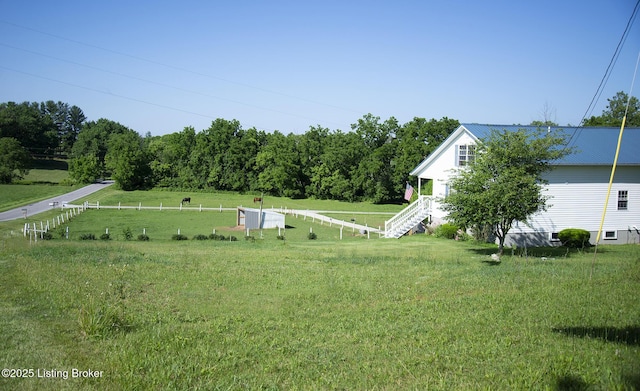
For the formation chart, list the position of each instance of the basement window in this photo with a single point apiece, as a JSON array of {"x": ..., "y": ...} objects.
[
  {"x": 610, "y": 235},
  {"x": 554, "y": 237}
]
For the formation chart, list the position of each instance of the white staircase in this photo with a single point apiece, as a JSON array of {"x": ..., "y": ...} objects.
[{"x": 408, "y": 218}]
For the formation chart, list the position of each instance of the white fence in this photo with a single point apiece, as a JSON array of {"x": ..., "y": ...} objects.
[{"x": 35, "y": 233}]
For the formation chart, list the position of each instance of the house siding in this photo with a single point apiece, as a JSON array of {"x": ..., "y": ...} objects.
[
  {"x": 577, "y": 196},
  {"x": 442, "y": 169},
  {"x": 577, "y": 188}
]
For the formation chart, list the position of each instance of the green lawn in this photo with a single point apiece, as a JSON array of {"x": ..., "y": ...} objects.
[
  {"x": 14, "y": 196},
  {"x": 414, "y": 313},
  {"x": 356, "y": 313}
]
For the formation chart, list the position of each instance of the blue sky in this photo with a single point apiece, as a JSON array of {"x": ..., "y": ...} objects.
[{"x": 159, "y": 66}]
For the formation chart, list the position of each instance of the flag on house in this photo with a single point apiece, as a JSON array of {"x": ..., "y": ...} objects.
[{"x": 408, "y": 192}]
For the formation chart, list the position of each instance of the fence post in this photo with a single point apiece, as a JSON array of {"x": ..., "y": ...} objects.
[
  {"x": 98, "y": 204},
  {"x": 200, "y": 207},
  {"x": 139, "y": 205},
  {"x": 161, "y": 206},
  {"x": 67, "y": 232}
]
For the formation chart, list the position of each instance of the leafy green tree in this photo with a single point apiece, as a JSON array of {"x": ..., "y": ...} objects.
[
  {"x": 35, "y": 131},
  {"x": 278, "y": 164},
  {"x": 85, "y": 169},
  {"x": 331, "y": 177},
  {"x": 613, "y": 114},
  {"x": 128, "y": 161},
  {"x": 93, "y": 140},
  {"x": 14, "y": 160},
  {"x": 170, "y": 156},
  {"x": 505, "y": 183}
]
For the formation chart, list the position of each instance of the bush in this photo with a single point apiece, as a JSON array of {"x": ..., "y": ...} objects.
[
  {"x": 446, "y": 230},
  {"x": 250, "y": 238},
  {"x": 179, "y": 237},
  {"x": 233, "y": 239},
  {"x": 87, "y": 237},
  {"x": 143, "y": 237},
  {"x": 47, "y": 236},
  {"x": 216, "y": 237},
  {"x": 105, "y": 236},
  {"x": 574, "y": 238},
  {"x": 280, "y": 237},
  {"x": 201, "y": 237},
  {"x": 127, "y": 233},
  {"x": 312, "y": 236}
]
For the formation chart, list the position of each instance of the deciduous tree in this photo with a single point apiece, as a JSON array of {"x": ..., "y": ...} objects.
[
  {"x": 14, "y": 160},
  {"x": 505, "y": 182},
  {"x": 613, "y": 114}
]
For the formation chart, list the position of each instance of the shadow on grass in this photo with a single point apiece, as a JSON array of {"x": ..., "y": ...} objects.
[
  {"x": 627, "y": 335},
  {"x": 571, "y": 383},
  {"x": 491, "y": 262}
]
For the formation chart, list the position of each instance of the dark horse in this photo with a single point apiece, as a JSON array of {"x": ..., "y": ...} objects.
[{"x": 186, "y": 199}]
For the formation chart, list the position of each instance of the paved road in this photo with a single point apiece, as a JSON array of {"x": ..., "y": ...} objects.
[{"x": 46, "y": 205}]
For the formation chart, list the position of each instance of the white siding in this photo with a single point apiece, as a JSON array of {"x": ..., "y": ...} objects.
[
  {"x": 578, "y": 197},
  {"x": 443, "y": 168}
]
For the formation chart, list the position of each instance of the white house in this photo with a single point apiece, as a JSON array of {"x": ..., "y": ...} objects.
[{"x": 577, "y": 184}]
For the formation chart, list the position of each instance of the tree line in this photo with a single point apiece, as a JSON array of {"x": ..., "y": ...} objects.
[{"x": 370, "y": 162}]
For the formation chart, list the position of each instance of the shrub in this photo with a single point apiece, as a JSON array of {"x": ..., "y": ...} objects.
[
  {"x": 61, "y": 232},
  {"x": 87, "y": 237},
  {"x": 216, "y": 237},
  {"x": 280, "y": 237},
  {"x": 201, "y": 237},
  {"x": 446, "y": 230},
  {"x": 250, "y": 238},
  {"x": 233, "y": 239},
  {"x": 143, "y": 237},
  {"x": 128, "y": 235},
  {"x": 179, "y": 237},
  {"x": 47, "y": 236},
  {"x": 574, "y": 237},
  {"x": 312, "y": 236},
  {"x": 105, "y": 236}
]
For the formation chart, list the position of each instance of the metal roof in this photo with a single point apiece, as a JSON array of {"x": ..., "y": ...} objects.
[{"x": 593, "y": 145}]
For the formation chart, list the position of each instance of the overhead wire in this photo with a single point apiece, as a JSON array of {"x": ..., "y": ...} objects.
[
  {"x": 154, "y": 83},
  {"x": 605, "y": 77},
  {"x": 181, "y": 69}
]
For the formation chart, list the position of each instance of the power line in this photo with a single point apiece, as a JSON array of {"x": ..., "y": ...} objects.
[
  {"x": 155, "y": 83},
  {"x": 181, "y": 69},
  {"x": 607, "y": 73}
]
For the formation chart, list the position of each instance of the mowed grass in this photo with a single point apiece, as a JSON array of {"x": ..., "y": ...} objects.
[
  {"x": 414, "y": 313},
  {"x": 15, "y": 196},
  {"x": 357, "y": 313}
]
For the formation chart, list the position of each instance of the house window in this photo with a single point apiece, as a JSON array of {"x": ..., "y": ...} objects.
[
  {"x": 466, "y": 154},
  {"x": 623, "y": 199},
  {"x": 611, "y": 235},
  {"x": 554, "y": 237}
]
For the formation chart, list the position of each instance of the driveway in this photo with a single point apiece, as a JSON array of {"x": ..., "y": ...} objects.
[{"x": 43, "y": 206}]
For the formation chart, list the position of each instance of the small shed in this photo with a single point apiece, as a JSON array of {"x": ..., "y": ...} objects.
[{"x": 249, "y": 218}]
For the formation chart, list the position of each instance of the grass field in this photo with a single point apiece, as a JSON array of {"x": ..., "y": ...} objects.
[{"x": 413, "y": 313}]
